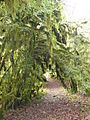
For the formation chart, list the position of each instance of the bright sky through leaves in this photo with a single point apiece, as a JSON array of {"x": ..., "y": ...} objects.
[{"x": 77, "y": 9}]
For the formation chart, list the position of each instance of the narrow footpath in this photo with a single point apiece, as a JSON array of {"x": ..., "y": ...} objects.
[{"x": 55, "y": 105}]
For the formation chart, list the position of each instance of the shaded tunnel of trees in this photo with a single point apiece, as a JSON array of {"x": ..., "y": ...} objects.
[{"x": 34, "y": 37}]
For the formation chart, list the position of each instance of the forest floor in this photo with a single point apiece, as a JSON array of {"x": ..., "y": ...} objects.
[{"x": 57, "y": 104}]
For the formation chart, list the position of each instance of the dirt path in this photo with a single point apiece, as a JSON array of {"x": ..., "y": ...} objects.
[{"x": 55, "y": 105}]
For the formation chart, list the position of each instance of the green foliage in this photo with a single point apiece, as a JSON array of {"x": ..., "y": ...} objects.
[
  {"x": 26, "y": 38},
  {"x": 73, "y": 60},
  {"x": 33, "y": 38}
]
